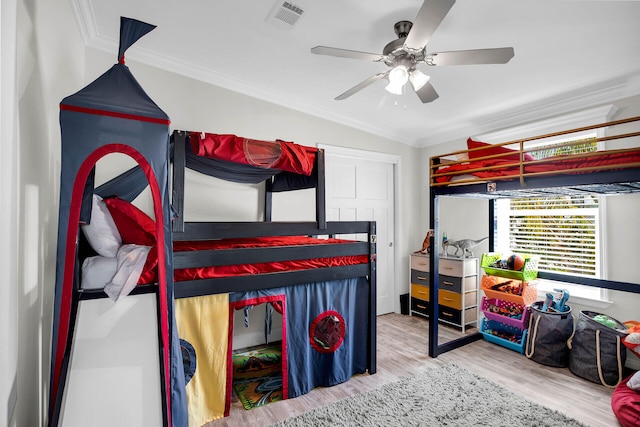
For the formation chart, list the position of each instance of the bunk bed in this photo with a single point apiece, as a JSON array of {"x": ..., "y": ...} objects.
[
  {"x": 281, "y": 263},
  {"x": 518, "y": 169}
]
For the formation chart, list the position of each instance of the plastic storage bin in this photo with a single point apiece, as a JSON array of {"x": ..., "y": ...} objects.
[
  {"x": 515, "y": 291},
  {"x": 522, "y": 322},
  {"x": 529, "y": 271},
  {"x": 499, "y": 333}
]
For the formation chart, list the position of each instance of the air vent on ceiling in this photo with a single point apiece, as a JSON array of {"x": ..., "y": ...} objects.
[{"x": 285, "y": 15}]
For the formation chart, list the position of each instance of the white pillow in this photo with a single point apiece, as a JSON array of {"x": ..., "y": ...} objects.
[
  {"x": 131, "y": 260},
  {"x": 101, "y": 232},
  {"x": 97, "y": 271}
]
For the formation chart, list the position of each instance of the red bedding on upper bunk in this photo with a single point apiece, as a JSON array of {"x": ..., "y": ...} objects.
[
  {"x": 136, "y": 227},
  {"x": 282, "y": 155},
  {"x": 501, "y": 167}
]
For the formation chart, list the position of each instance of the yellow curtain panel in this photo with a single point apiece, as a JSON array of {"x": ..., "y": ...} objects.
[{"x": 203, "y": 328}]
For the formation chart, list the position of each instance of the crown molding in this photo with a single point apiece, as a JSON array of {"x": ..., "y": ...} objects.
[
  {"x": 510, "y": 116},
  {"x": 575, "y": 120},
  {"x": 86, "y": 23},
  {"x": 560, "y": 105}
]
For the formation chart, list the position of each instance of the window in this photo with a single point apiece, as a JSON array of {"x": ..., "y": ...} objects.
[{"x": 563, "y": 231}]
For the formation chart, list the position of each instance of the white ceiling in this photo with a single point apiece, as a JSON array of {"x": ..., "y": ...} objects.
[{"x": 569, "y": 55}]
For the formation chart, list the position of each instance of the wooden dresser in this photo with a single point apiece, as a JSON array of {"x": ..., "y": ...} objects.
[{"x": 458, "y": 292}]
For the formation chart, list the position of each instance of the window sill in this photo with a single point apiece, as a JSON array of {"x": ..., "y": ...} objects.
[{"x": 591, "y": 301}]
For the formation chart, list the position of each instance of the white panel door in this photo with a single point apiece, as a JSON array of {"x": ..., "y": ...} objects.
[{"x": 363, "y": 190}]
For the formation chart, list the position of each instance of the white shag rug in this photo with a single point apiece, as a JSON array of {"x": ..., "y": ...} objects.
[{"x": 446, "y": 396}]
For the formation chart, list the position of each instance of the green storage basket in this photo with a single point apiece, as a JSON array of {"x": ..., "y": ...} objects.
[{"x": 529, "y": 271}]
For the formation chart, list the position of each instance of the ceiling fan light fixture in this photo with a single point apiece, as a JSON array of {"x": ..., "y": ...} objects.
[
  {"x": 394, "y": 88},
  {"x": 398, "y": 77},
  {"x": 418, "y": 79}
]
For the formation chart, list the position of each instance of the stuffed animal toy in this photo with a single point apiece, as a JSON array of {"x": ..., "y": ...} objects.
[
  {"x": 632, "y": 341},
  {"x": 426, "y": 244}
]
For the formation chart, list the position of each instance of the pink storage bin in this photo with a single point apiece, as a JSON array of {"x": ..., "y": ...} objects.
[{"x": 521, "y": 323}]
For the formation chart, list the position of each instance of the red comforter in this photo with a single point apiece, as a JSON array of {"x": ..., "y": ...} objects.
[
  {"x": 561, "y": 164},
  {"x": 149, "y": 273},
  {"x": 282, "y": 155},
  {"x": 136, "y": 227}
]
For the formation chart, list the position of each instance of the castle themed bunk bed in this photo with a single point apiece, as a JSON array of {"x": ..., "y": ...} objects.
[
  {"x": 323, "y": 286},
  {"x": 524, "y": 168},
  {"x": 197, "y": 273}
]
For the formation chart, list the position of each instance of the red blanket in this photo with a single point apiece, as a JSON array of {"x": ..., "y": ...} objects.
[
  {"x": 136, "y": 227},
  {"x": 561, "y": 164},
  {"x": 282, "y": 155},
  {"x": 149, "y": 273},
  {"x": 271, "y": 267}
]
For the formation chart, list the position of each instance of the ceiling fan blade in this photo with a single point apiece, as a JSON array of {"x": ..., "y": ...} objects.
[
  {"x": 427, "y": 93},
  {"x": 428, "y": 19},
  {"x": 361, "y": 86},
  {"x": 344, "y": 53},
  {"x": 500, "y": 55}
]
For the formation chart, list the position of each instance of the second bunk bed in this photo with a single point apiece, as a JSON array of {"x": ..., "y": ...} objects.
[{"x": 528, "y": 168}]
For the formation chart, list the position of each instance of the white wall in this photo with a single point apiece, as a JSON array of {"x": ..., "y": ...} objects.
[
  {"x": 48, "y": 66},
  {"x": 8, "y": 217}
]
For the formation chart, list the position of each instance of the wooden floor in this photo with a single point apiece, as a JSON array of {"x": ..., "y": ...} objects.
[{"x": 402, "y": 351}]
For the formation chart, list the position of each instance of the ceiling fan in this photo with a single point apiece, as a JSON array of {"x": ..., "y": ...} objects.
[{"x": 408, "y": 50}]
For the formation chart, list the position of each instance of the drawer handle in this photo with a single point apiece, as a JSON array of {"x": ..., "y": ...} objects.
[
  {"x": 422, "y": 278},
  {"x": 423, "y": 292},
  {"x": 447, "y": 314},
  {"x": 447, "y": 283},
  {"x": 422, "y": 263},
  {"x": 444, "y": 267},
  {"x": 422, "y": 307},
  {"x": 447, "y": 299}
]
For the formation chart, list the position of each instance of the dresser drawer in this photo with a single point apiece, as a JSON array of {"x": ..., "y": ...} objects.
[
  {"x": 419, "y": 306},
  {"x": 446, "y": 298},
  {"x": 455, "y": 316},
  {"x": 420, "y": 277},
  {"x": 450, "y": 283},
  {"x": 457, "y": 267},
  {"x": 457, "y": 284},
  {"x": 420, "y": 292},
  {"x": 420, "y": 263},
  {"x": 454, "y": 300}
]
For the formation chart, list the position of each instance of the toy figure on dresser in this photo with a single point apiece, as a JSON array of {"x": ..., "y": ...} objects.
[
  {"x": 463, "y": 246},
  {"x": 426, "y": 244}
]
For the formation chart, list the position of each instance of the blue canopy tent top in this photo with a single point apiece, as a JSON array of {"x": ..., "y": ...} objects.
[{"x": 113, "y": 114}]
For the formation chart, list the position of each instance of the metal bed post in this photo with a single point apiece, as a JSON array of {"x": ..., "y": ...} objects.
[
  {"x": 371, "y": 344},
  {"x": 321, "y": 210},
  {"x": 434, "y": 224},
  {"x": 179, "y": 163},
  {"x": 268, "y": 200}
]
